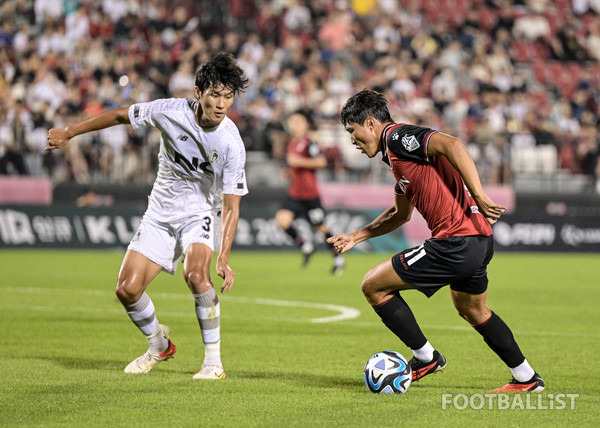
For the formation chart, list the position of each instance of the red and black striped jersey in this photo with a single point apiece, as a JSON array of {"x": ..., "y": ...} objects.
[{"x": 431, "y": 183}]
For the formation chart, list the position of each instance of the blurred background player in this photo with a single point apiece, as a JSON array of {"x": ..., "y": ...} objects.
[
  {"x": 434, "y": 173},
  {"x": 304, "y": 158},
  {"x": 200, "y": 178}
]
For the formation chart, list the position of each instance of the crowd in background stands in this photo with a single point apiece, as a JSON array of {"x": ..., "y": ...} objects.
[{"x": 497, "y": 73}]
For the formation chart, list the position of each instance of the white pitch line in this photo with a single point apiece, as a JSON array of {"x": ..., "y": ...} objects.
[{"x": 344, "y": 312}]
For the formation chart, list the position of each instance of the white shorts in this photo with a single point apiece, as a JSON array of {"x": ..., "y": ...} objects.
[{"x": 164, "y": 243}]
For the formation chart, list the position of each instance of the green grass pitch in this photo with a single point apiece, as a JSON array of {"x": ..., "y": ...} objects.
[{"x": 65, "y": 340}]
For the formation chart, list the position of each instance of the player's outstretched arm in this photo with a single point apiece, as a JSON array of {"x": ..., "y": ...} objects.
[
  {"x": 58, "y": 137},
  {"x": 389, "y": 220},
  {"x": 229, "y": 221},
  {"x": 297, "y": 161},
  {"x": 454, "y": 150}
]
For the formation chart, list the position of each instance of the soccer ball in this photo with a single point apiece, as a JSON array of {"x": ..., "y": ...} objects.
[{"x": 387, "y": 372}]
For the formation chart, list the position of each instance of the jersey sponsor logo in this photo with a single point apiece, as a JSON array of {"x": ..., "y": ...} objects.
[
  {"x": 410, "y": 143},
  {"x": 194, "y": 165},
  {"x": 213, "y": 156},
  {"x": 136, "y": 112},
  {"x": 183, "y": 137}
]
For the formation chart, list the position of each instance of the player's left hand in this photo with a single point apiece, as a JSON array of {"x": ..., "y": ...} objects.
[
  {"x": 225, "y": 272},
  {"x": 489, "y": 209},
  {"x": 342, "y": 242}
]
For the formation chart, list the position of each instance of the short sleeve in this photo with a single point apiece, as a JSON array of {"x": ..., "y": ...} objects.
[
  {"x": 409, "y": 142},
  {"x": 398, "y": 190},
  {"x": 144, "y": 114},
  {"x": 234, "y": 174}
]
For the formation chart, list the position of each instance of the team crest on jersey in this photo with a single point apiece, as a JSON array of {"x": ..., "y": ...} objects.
[
  {"x": 213, "y": 156},
  {"x": 410, "y": 143}
]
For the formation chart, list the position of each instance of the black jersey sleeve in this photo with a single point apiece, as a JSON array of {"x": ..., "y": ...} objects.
[{"x": 409, "y": 142}]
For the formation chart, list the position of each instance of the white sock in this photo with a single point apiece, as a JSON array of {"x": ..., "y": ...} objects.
[
  {"x": 523, "y": 372},
  {"x": 212, "y": 354},
  {"x": 307, "y": 247},
  {"x": 208, "y": 312},
  {"x": 425, "y": 353},
  {"x": 158, "y": 342},
  {"x": 142, "y": 315}
]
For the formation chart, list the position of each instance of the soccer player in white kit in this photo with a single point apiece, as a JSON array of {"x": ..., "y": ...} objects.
[{"x": 200, "y": 181}]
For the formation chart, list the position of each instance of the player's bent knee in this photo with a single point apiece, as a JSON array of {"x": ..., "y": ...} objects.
[
  {"x": 198, "y": 282},
  {"x": 369, "y": 286},
  {"x": 128, "y": 292}
]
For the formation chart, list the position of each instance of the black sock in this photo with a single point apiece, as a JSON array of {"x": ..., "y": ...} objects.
[
  {"x": 291, "y": 231},
  {"x": 500, "y": 339},
  {"x": 398, "y": 317},
  {"x": 331, "y": 247}
]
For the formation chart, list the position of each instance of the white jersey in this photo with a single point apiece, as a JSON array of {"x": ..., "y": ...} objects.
[{"x": 195, "y": 165}]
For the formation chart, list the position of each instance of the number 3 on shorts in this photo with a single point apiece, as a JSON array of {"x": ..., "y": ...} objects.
[{"x": 206, "y": 223}]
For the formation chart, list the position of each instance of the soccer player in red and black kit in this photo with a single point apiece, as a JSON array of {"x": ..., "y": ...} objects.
[
  {"x": 304, "y": 158},
  {"x": 435, "y": 174}
]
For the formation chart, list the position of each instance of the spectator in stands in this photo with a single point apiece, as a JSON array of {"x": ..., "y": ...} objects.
[
  {"x": 312, "y": 53},
  {"x": 568, "y": 45},
  {"x": 592, "y": 40},
  {"x": 533, "y": 27}
]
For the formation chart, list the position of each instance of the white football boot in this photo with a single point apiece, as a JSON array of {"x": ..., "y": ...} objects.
[
  {"x": 209, "y": 371},
  {"x": 146, "y": 362}
]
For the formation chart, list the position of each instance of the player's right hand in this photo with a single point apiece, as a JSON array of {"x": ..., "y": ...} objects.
[
  {"x": 57, "y": 138},
  {"x": 225, "y": 272},
  {"x": 342, "y": 242}
]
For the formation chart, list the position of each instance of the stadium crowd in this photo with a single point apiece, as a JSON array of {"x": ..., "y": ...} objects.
[{"x": 499, "y": 74}]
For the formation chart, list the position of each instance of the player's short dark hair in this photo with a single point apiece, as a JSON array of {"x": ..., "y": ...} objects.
[
  {"x": 221, "y": 69},
  {"x": 363, "y": 104},
  {"x": 307, "y": 115}
]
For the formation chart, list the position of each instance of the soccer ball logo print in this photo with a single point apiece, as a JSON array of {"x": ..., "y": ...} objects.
[{"x": 387, "y": 372}]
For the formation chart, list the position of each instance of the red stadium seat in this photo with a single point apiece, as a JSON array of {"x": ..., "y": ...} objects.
[
  {"x": 521, "y": 51},
  {"x": 487, "y": 18},
  {"x": 540, "y": 71}
]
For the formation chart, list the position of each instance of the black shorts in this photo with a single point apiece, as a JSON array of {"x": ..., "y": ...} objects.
[
  {"x": 460, "y": 261},
  {"x": 311, "y": 209}
]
